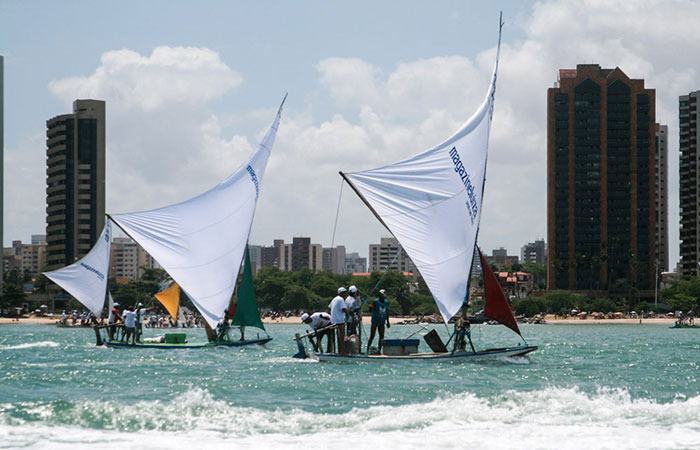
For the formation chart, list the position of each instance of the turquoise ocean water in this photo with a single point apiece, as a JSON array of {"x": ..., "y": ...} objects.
[{"x": 589, "y": 386}]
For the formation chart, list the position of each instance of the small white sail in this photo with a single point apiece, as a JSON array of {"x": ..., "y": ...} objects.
[
  {"x": 200, "y": 242},
  {"x": 432, "y": 204},
  {"x": 86, "y": 279}
]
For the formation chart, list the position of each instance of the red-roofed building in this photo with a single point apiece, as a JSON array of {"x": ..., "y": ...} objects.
[{"x": 516, "y": 284}]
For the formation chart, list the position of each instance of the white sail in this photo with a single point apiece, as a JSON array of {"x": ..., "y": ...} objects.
[
  {"x": 200, "y": 241},
  {"x": 432, "y": 204},
  {"x": 86, "y": 279}
]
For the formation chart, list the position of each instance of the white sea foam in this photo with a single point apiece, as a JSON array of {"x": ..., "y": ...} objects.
[
  {"x": 30, "y": 345},
  {"x": 548, "y": 418}
]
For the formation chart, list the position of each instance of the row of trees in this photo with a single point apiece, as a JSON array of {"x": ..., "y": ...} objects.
[
  {"x": 275, "y": 289},
  {"x": 683, "y": 295}
]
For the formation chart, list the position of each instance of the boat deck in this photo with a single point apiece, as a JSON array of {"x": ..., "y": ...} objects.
[
  {"x": 186, "y": 345},
  {"x": 461, "y": 355}
]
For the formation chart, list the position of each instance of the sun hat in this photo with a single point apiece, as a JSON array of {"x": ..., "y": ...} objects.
[
  {"x": 353, "y": 288},
  {"x": 341, "y": 289},
  {"x": 304, "y": 317}
]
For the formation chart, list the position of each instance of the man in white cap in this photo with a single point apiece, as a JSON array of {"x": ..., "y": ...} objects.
[
  {"x": 338, "y": 310},
  {"x": 317, "y": 321},
  {"x": 380, "y": 315},
  {"x": 114, "y": 317},
  {"x": 353, "y": 303}
]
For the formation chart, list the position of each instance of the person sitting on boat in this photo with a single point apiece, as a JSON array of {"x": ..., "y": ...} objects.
[
  {"x": 114, "y": 318},
  {"x": 338, "y": 309},
  {"x": 130, "y": 324},
  {"x": 353, "y": 304},
  {"x": 380, "y": 315},
  {"x": 317, "y": 321}
]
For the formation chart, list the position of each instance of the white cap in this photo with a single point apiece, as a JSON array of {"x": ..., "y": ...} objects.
[
  {"x": 304, "y": 317},
  {"x": 341, "y": 289},
  {"x": 140, "y": 304},
  {"x": 115, "y": 304},
  {"x": 382, "y": 291},
  {"x": 352, "y": 289}
]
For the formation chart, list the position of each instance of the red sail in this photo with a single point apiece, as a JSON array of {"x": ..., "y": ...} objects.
[{"x": 497, "y": 307}]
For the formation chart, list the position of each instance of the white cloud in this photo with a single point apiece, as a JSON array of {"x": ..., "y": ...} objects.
[{"x": 163, "y": 142}]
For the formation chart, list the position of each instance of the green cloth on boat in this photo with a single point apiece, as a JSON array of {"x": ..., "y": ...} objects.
[{"x": 246, "y": 313}]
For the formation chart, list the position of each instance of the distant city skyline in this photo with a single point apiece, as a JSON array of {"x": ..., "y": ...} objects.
[{"x": 188, "y": 97}]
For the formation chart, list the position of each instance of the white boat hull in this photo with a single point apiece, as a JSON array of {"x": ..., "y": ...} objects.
[{"x": 456, "y": 356}]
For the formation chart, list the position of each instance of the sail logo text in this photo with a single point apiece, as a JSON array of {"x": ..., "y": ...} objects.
[
  {"x": 254, "y": 178},
  {"x": 93, "y": 270},
  {"x": 472, "y": 206}
]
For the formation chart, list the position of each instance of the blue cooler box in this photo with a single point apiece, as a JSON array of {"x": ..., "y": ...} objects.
[{"x": 399, "y": 347}]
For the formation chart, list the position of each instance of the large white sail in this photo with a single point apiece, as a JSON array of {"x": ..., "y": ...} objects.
[
  {"x": 86, "y": 279},
  {"x": 432, "y": 204},
  {"x": 200, "y": 241}
]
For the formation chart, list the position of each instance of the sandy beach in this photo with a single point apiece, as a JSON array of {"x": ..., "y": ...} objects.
[{"x": 550, "y": 320}]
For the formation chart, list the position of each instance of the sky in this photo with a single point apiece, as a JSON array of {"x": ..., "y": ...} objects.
[{"x": 191, "y": 88}]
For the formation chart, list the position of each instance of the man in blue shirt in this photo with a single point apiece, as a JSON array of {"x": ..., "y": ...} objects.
[{"x": 380, "y": 315}]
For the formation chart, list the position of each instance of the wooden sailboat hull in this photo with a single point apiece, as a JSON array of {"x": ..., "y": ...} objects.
[
  {"x": 121, "y": 344},
  {"x": 457, "y": 356}
]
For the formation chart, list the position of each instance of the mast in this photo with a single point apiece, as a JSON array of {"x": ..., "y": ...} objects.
[{"x": 486, "y": 162}]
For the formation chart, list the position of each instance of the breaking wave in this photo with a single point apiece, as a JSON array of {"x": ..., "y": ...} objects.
[
  {"x": 547, "y": 418},
  {"x": 30, "y": 345}
]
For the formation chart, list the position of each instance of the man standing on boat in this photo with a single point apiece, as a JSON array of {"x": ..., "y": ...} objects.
[
  {"x": 114, "y": 317},
  {"x": 317, "y": 321},
  {"x": 130, "y": 324},
  {"x": 338, "y": 309},
  {"x": 380, "y": 315},
  {"x": 353, "y": 304}
]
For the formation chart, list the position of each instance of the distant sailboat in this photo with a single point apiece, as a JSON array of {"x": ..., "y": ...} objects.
[{"x": 432, "y": 204}]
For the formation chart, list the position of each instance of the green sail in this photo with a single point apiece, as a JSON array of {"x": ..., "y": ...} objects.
[{"x": 246, "y": 313}]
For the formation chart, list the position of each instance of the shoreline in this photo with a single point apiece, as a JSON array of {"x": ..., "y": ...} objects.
[{"x": 394, "y": 321}]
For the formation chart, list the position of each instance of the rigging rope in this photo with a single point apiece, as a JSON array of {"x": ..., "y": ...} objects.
[{"x": 337, "y": 212}]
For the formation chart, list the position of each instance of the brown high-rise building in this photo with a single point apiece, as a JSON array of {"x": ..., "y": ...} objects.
[
  {"x": 75, "y": 182},
  {"x": 601, "y": 188}
]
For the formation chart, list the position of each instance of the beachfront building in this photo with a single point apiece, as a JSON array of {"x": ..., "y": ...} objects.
[
  {"x": 2, "y": 154},
  {"x": 389, "y": 255},
  {"x": 500, "y": 258},
  {"x": 661, "y": 191},
  {"x": 689, "y": 130},
  {"x": 354, "y": 263},
  {"x": 301, "y": 253},
  {"x": 534, "y": 252},
  {"x": 27, "y": 258},
  {"x": 601, "y": 182},
  {"x": 334, "y": 259},
  {"x": 128, "y": 260},
  {"x": 75, "y": 182}
]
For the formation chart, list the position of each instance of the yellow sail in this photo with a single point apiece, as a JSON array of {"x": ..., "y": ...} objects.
[{"x": 170, "y": 298}]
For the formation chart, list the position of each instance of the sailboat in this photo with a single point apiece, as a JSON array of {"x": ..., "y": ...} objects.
[
  {"x": 244, "y": 313},
  {"x": 199, "y": 242},
  {"x": 432, "y": 204}
]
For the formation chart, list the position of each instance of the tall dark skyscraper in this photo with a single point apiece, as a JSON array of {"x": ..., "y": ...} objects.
[
  {"x": 689, "y": 129},
  {"x": 75, "y": 182},
  {"x": 2, "y": 154},
  {"x": 601, "y": 188},
  {"x": 662, "y": 197}
]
